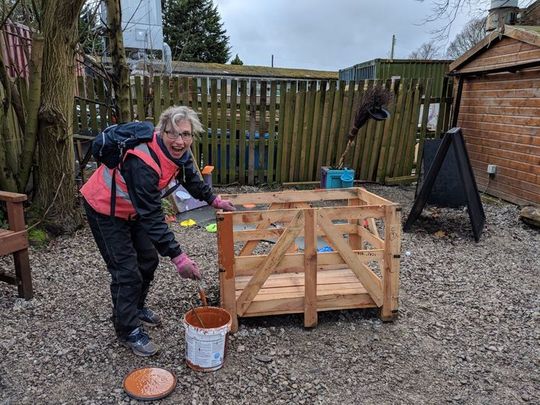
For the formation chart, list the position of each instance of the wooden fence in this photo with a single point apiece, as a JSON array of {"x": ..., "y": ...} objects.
[{"x": 266, "y": 131}]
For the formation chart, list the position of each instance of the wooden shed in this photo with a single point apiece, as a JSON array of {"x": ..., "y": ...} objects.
[{"x": 498, "y": 108}]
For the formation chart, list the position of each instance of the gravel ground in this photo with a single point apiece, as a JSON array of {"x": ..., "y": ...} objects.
[{"x": 467, "y": 333}]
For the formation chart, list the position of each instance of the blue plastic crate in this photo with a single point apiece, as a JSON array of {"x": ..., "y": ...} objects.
[{"x": 334, "y": 178}]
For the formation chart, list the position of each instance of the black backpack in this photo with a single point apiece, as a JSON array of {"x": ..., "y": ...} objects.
[{"x": 110, "y": 146}]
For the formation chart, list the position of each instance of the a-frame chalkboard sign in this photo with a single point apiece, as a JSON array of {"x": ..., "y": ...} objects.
[{"x": 453, "y": 138}]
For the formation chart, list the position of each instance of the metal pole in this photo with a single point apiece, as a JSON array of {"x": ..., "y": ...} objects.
[{"x": 393, "y": 46}]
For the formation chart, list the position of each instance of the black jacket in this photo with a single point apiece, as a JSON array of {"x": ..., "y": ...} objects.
[{"x": 142, "y": 184}]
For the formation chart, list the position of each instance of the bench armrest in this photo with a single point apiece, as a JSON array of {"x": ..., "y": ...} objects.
[{"x": 12, "y": 197}]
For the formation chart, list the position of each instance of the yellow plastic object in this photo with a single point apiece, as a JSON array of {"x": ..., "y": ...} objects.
[
  {"x": 188, "y": 222},
  {"x": 212, "y": 228}
]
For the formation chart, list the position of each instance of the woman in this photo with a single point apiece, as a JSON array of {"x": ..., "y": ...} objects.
[{"x": 132, "y": 233}]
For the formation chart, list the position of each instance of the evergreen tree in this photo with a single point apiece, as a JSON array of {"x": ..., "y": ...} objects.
[
  {"x": 194, "y": 31},
  {"x": 237, "y": 61}
]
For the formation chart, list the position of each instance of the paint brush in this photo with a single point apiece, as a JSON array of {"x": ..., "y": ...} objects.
[
  {"x": 202, "y": 293},
  {"x": 197, "y": 315}
]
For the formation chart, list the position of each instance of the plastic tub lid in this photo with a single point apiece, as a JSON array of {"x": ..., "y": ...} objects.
[{"x": 182, "y": 195}]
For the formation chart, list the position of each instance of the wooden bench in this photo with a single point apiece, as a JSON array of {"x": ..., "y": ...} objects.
[{"x": 15, "y": 241}]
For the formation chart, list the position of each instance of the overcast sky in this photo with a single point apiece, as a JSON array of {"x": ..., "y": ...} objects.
[{"x": 329, "y": 34}]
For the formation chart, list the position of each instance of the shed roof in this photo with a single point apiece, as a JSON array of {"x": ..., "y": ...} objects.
[
  {"x": 526, "y": 34},
  {"x": 217, "y": 69}
]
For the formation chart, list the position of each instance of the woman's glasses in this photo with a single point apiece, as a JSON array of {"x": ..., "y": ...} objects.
[{"x": 186, "y": 136}]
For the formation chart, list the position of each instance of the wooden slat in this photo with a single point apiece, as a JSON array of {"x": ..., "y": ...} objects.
[
  {"x": 310, "y": 270},
  {"x": 9, "y": 196},
  {"x": 104, "y": 107},
  {"x": 423, "y": 127},
  {"x": 252, "y": 129},
  {"x": 166, "y": 92},
  {"x": 404, "y": 130},
  {"x": 252, "y": 243},
  {"x": 281, "y": 130},
  {"x": 294, "y": 262},
  {"x": 156, "y": 105},
  {"x": 366, "y": 276},
  {"x": 83, "y": 115},
  {"x": 287, "y": 305},
  {"x": 296, "y": 141},
  {"x": 233, "y": 169},
  {"x": 307, "y": 141},
  {"x": 303, "y": 196},
  {"x": 316, "y": 132},
  {"x": 367, "y": 144},
  {"x": 204, "y": 116},
  {"x": 141, "y": 115},
  {"x": 326, "y": 125},
  {"x": 226, "y": 266},
  {"x": 377, "y": 141},
  {"x": 223, "y": 132},
  {"x": 272, "y": 133},
  {"x": 390, "y": 273},
  {"x": 263, "y": 233},
  {"x": 262, "y": 131},
  {"x": 175, "y": 93},
  {"x": 91, "y": 95},
  {"x": 408, "y": 157},
  {"x": 185, "y": 91},
  {"x": 335, "y": 124},
  {"x": 341, "y": 140},
  {"x": 396, "y": 127},
  {"x": 325, "y": 278},
  {"x": 242, "y": 136},
  {"x": 272, "y": 260},
  {"x": 214, "y": 127},
  {"x": 11, "y": 241}
]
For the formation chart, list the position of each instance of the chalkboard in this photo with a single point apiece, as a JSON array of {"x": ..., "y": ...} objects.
[
  {"x": 448, "y": 188},
  {"x": 452, "y": 140}
]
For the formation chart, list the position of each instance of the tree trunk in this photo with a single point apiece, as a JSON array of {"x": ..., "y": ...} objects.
[
  {"x": 118, "y": 55},
  {"x": 34, "y": 98},
  {"x": 56, "y": 194}
]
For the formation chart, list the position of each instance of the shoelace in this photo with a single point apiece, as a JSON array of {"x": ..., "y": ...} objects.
[{"x": 142, "y": 337}]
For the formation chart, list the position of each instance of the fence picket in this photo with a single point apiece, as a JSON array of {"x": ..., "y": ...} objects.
[
  {"x": 271, "y": 132},
  {"x": 296, "y": 142},
  {"x": 140, "y": 99},
  {"x": 315, "y": 130},
  {"x": 242, "y": 136},
  {"x": 252, "y": 128},
  {"x": 214, "y": 127},
  {"x": 262, "y": 131},
  {"x": 223, "y": 132},
  {"x": 232, "y": 138}
]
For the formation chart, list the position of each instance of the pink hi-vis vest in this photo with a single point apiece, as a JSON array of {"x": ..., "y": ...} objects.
[{"x": 97, "y": 190}]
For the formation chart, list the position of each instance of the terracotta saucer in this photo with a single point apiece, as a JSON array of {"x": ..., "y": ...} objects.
[{"x": 149, "y": 383}]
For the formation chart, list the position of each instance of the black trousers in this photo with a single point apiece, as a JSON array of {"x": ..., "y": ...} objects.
[{"x": 131, "y": 260}]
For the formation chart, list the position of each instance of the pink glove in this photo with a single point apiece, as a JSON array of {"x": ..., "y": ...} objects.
[
  {"x": 186, "y": 267},
  {"x": 224, "y": 205}
]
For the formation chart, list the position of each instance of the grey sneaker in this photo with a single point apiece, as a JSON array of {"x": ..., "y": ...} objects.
[
  {"x": 139, "y": 341},
  {"x": 149, "y": 317}
]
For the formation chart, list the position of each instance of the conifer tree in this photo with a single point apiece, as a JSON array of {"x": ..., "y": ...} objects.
[
  {"x": 237, "y": 61},
  {"x": 194, "y": 31}
]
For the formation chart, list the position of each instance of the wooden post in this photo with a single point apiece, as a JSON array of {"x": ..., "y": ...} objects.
[
  {"x": 17, "y": 243},
  {"x": 310, "y": 269},
  {"x": 226, "y": 266},
  {"x": 390, "y": 274}
]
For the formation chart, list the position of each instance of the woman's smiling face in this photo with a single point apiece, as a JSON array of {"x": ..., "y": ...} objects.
[{"x": 178, "y": 140}]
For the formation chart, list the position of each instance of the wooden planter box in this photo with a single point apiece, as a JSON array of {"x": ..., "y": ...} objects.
[{"x": 362, "y": 271}]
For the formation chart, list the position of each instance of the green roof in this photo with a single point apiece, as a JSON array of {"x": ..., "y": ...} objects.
[{"x": 217, "y": 69}]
